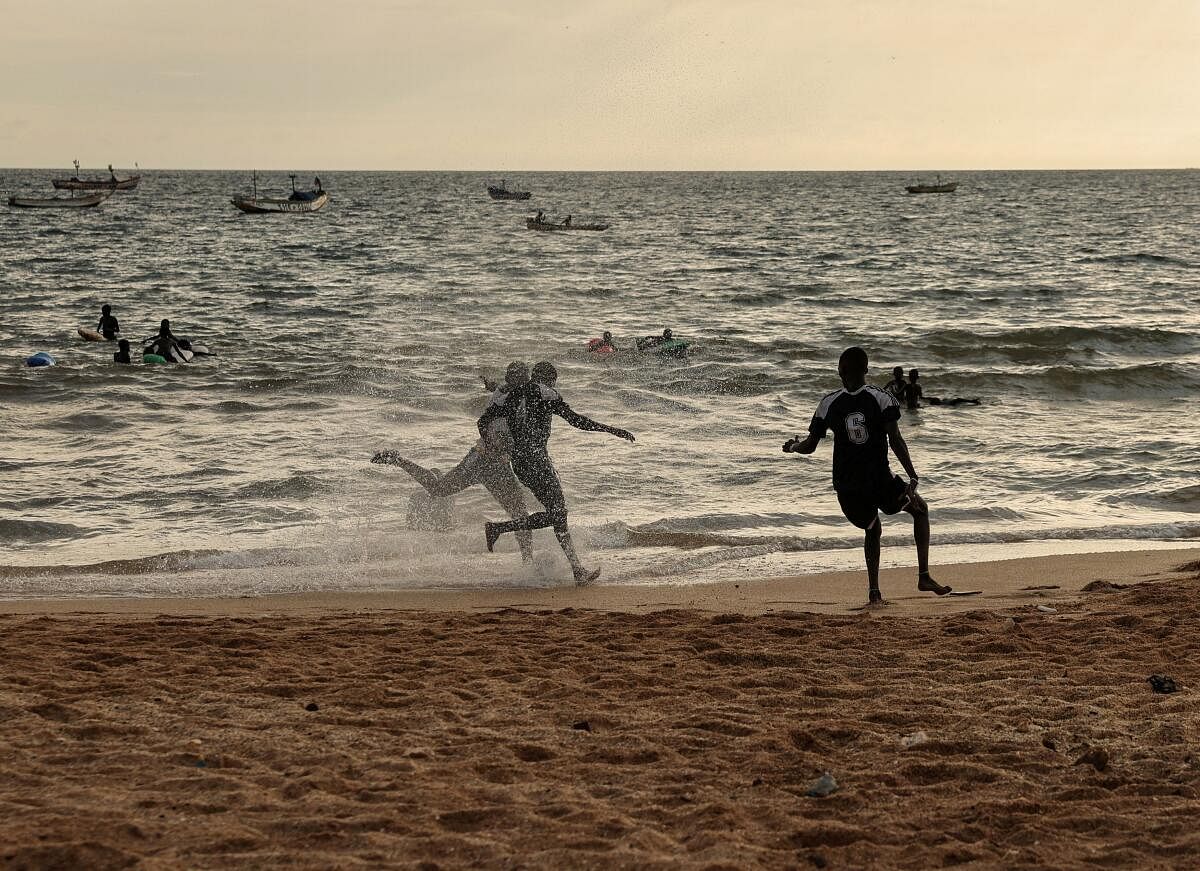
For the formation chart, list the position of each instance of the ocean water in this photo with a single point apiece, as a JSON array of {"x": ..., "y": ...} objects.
[{"x": 1068, "y": 302}]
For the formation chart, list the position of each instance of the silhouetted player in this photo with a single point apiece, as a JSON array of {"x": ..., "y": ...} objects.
[
  {"x": 529, "y": 411},
  {"x": 864, "y": 420},
  {"x": 487, "y": 463}
]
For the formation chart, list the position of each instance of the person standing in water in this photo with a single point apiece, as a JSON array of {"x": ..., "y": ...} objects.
[
  {"x": 896, "y": 387},
  {"x": 529, "y": 412},
  {"x": 164, "y": 344},
  {"x": 122, "y": 354},
  {"x": 108, "y": 325},
  {"x": 486, "y": 463},
  {"x": 865, "y": 421}
]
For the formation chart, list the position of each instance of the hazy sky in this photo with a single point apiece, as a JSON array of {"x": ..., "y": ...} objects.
[{"x": 600, "y": 84}]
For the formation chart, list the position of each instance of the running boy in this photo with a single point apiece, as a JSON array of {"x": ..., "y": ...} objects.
[{"x": 864, "y": 420}]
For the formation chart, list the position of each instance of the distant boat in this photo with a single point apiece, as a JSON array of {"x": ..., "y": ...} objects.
[
  {"x": 565, "y": 226},
  {"x": 299, "y": 201},
  {"x": 112, "y": 183},
  {"x": 503, "y": 193},
  {"x": 82, "y": 202},
  {"x": 939, "y": 188}
]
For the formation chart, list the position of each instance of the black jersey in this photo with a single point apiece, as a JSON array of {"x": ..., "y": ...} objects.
[
  {"x": 529, "y": 410},
  {"x": 859, "y": 423}
]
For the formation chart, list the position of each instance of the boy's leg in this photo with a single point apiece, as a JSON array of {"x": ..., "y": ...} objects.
[
  {"x": 920, "y": 514},
  {"x": 504, "y": 489},
  {"x": 871, "y": 551}
]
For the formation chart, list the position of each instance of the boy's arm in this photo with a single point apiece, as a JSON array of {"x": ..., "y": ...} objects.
[
  {"x": 806, "y": 445},
  {"x": 816, "y": 431},
  {"x": 900, "y": 449},
  {"x": 492, "y": 412},
  {"x": 580, "y": 421}
]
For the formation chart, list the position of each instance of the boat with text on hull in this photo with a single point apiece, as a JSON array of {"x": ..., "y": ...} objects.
[
  {"x": 299, "y": 201},
  {"x": 112, "y": 183},
  {"x": 80, "y": 202}
]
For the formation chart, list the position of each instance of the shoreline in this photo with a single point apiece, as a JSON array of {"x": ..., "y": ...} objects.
[{"x": 1004, "y": 583}]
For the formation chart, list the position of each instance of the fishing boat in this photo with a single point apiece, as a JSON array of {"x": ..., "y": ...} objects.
[
  {"x": 939, "y": 188},
  {"x": 565, "y": 226},
  {"x": 73, "y": 202},
  {"x": 503, "y": 193},
  {"x": 112, "y": 183},
  {"x": 299, "y": 201}
]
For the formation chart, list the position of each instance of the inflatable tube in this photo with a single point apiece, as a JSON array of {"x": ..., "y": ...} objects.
[
  {"x": 663, "y": 347},
  {"x": 671, "y": 348},
  {"x": 91, "y": 335},
  {"x": 174, "y": 355},
  {"x": 599, "y": 346},
  {"x": 153, "y": 358},
  {"x": 41, "y": 358}
]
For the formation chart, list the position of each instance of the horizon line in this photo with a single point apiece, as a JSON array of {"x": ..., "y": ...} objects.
[{"x": 630, "y": 171}]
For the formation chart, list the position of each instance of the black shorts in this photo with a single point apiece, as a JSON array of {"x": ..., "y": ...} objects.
[{"x": 862, "y": 505}]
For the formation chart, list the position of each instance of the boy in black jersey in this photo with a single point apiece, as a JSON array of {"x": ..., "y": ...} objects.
[
  {"x": 864, "y": 420},
  {"x": 529, "y": 411}
]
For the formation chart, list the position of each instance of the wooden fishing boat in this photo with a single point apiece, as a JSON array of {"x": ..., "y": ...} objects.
[
  {"x": 112, "y": 183},
  {"x": 503, "y": 193},
  {"x": 939, "y": 188},
  {"x": 299, "y": 201},
  {"x": 560, "y": 227},
  {"x": 82, "y": 202}
]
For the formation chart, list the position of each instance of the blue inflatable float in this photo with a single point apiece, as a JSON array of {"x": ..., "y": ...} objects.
[{"x": 41, "y": 358}]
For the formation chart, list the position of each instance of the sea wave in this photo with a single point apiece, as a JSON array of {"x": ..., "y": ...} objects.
[{"x": 37, "y": 531}]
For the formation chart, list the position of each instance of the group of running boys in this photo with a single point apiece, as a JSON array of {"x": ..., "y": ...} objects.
[{"x": 514, "y": 434}]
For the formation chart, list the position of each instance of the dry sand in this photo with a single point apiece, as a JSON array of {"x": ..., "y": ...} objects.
[{"x": 288, "y": 733}]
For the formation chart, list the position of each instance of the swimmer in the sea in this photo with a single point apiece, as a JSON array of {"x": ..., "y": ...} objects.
[
  {"x": 164, "y": 344},
  {"x": 648, "y": 342},
  {"x": 486, "y": 463},
  {"x": 529, "y": 411},
  {"x": 108, "y": 325},
  {"x": 122, "y": 354},
  {"x": 865, "y": 421},
  {"x": 913, "y": 394},
  {"x": 604, "y": 343}
]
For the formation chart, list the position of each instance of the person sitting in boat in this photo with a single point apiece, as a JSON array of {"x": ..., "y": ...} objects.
[
  {"x": 108, "y": 325},
  {"x": 122, "y": 354},
  {"x": 603, "y": 345},
  {"x": 165, "y": 344},
  {"x": 654, "y": 341},
  {"x": 317, "y": 183},
  {"x": 567, "y": 221},
  {"x": 540, "y": 217}
]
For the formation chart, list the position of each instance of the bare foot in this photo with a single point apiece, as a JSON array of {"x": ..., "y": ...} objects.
[
  {"x": 583, "y": 576},
  {"x": 927, "y": 584}
]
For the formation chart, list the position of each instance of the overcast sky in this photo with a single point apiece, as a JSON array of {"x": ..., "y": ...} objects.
[{"x": 600, "y": 84}]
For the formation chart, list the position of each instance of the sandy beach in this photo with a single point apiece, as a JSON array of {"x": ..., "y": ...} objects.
[{"x": 614, "y": 727}]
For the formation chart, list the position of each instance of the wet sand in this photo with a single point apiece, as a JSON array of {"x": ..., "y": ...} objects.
[{"x": 597, "y": 729}]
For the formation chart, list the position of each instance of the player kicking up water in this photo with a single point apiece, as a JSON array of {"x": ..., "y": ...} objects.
[
  {"x": 529, "y": 411},
  {"x": 864, "y": 420}
]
